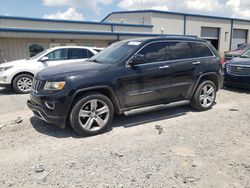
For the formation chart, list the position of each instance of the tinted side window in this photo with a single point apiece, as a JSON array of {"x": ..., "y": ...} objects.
[
  {"x": 154, "y": 52},
  {"x": 178, "y": 50},
  {"x": 90, "y": 54},
  {"x": 201, "y": 50},
  {"x": 60, "y": 54},
  {"x": 77, "y": 53}
]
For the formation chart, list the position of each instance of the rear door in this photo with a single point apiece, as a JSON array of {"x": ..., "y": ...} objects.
[
  {"x": 186, "y": 60},
  {"x": 147, "y": 83}
]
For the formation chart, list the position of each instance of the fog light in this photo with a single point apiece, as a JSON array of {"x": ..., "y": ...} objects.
[
  {"x": 50, "y": 105},
  {"x": 3, "y": 79}
]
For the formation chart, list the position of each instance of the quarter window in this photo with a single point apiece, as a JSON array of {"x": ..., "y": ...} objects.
[
  {"x": 61, "y": 54},
  {"x": 154, "y": 52},
  {"x": 201, "y": 50}
]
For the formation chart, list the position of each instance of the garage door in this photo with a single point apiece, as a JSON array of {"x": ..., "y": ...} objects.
[
  {"x": 239, "y": 37},
  {"x": 210, "y": 33}
]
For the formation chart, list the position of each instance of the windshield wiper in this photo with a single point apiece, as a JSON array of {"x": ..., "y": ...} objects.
[{"x": 244, "y": 56}]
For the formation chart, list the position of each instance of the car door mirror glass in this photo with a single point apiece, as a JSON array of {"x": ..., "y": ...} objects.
[
  {"x": 44, "y": 58},
  {"x": 137, "y": 59}
]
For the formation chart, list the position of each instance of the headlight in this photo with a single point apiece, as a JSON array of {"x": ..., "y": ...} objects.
[
  {"x": 5, "y": 68},
  {"x": 54, "y": 85}
]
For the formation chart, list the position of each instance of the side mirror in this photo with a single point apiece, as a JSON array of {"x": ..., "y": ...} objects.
[
  {"x": 44, "y": 58},
  {"x": 137, "y": 59}
]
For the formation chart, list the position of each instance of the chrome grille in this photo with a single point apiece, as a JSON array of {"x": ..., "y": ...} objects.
[
  {"x": 37, "y": 85},
  {"x": 238, "y": 70}
]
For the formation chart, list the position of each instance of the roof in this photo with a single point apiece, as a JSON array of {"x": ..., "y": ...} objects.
[
  {"x": 72, "y": 21},
  {"x": 173, "y": 13}
]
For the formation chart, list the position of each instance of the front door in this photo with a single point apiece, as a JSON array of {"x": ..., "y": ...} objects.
[{"x": 147, "y": 83}]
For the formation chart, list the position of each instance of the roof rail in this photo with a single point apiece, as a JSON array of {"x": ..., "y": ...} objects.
[{"x": 173, "y": 35}]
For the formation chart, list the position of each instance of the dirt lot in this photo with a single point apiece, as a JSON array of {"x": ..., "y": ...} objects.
[{"x": 175, "y": 147}]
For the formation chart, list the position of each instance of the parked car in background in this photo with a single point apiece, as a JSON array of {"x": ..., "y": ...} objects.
[
  {"x": 19, "y": 74},
  {"x": 127, "y": 75},
  {"x": 236, "y": 53},
  {"x": 237, "y": 71}
]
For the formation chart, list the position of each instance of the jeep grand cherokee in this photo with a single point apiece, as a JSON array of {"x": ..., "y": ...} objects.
[{"x": 127, "y": 75}]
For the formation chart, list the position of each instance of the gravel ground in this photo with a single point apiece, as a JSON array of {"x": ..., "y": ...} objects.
[{"x": 175, "y": 147}]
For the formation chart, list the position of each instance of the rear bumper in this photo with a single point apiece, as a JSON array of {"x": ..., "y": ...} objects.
[{"x": 41, "y": 113}]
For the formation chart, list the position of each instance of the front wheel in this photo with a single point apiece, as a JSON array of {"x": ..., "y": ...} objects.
[
  {"x": 204, "y": 96},
  {"x": 22, "y": 83},
  {"x": 91, "y": 114}
]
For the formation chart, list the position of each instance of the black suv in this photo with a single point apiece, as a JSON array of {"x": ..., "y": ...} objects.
[{"x": 127, "y": 75}]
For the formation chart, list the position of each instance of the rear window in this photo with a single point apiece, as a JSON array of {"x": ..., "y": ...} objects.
[{"x": 200, "y": 50}]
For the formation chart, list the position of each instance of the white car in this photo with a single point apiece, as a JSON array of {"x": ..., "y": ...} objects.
[{"x": 19, "y": 74}]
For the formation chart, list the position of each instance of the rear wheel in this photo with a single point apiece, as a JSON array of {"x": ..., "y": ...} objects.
[
  {"x": 91, "y": 114},
  {"x": 22, "y": 83},
  {"x": 204, "y": 96}
]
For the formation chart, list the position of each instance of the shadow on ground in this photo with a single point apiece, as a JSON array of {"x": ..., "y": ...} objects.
[
  {"x": 237, "y": 89},
  {"x": 119, "y": 121},
  {"x": 6, "y": 91}
]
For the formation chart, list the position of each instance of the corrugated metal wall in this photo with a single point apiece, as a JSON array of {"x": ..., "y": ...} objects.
[{"x": 17, "y": 48}]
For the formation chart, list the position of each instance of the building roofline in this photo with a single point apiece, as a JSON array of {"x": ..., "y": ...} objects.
[
  {"x": 19, "y": 30},
  {"x": 174, "y": 13},
  {"x": 73, "y": 21},
  {"x": 78, "y": 32}
]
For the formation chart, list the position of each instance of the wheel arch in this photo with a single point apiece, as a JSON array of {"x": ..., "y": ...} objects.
[
  {"x": 208, "y": 76},
  {"x": 105, "y": 90},
  {"x": 19, "y": 73}
]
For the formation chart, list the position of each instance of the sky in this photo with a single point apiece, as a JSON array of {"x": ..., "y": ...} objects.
[{"x": 95, "y": 10}]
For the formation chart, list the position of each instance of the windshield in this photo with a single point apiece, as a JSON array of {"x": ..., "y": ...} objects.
[
  {"x": 115, "y": 52},
  {"x": 246, "y": 54},
  {"x": 39, "y": 55},
  {"x": 243, "y": 47}
]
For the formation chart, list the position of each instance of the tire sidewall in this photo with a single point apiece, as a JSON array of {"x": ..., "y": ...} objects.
[
  {"x": 196, "y": 99},
  {"x": 74, "y": 121},
  {"x": 15, "y": 87}
]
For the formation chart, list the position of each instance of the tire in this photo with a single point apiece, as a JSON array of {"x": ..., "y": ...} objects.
[
  {"x": 85, "y": 118},
  {"x": 203, "y": 100},
  {"x": 22, "y": 83}
]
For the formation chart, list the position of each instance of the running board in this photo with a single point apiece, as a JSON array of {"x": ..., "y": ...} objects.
[{"x": 156, "y": 107}]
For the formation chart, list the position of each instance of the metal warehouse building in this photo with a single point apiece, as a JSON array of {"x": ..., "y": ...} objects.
[{"x": 23, "y": 37}]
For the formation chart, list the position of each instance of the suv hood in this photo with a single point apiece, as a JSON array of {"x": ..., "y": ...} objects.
[
  {"x": 240, "y": 61},
  {"x": 74, "y": 69},
  {"x": 236, "y": 52}
]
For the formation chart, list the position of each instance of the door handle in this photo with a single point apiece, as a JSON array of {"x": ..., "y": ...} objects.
[
  {"x": 196, "y": 63},
  {"x": 164, "y": 67}
]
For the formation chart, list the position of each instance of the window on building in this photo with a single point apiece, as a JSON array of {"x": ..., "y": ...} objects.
[
  {"x": 77, "y": 53},
  {"x": 154, "y": 52},
  {"x": 35, "y": 49},
  {"x": 201, "y": 50},
  {"x": 61, "y": 54}
]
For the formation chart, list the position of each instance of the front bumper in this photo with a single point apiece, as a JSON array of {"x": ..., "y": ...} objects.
[
  {"x": 240, "y": 81},
  {"x": 51, "y": 108}
]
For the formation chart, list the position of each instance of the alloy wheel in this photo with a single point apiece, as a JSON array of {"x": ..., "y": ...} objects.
[
  {"x": 93, "y": 115},
  {"x": 207, "y": 96},
  {"x": 24, "y": 84}
]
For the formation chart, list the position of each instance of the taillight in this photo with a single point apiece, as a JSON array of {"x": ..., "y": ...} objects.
[{"x": 222, "y": 61}]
